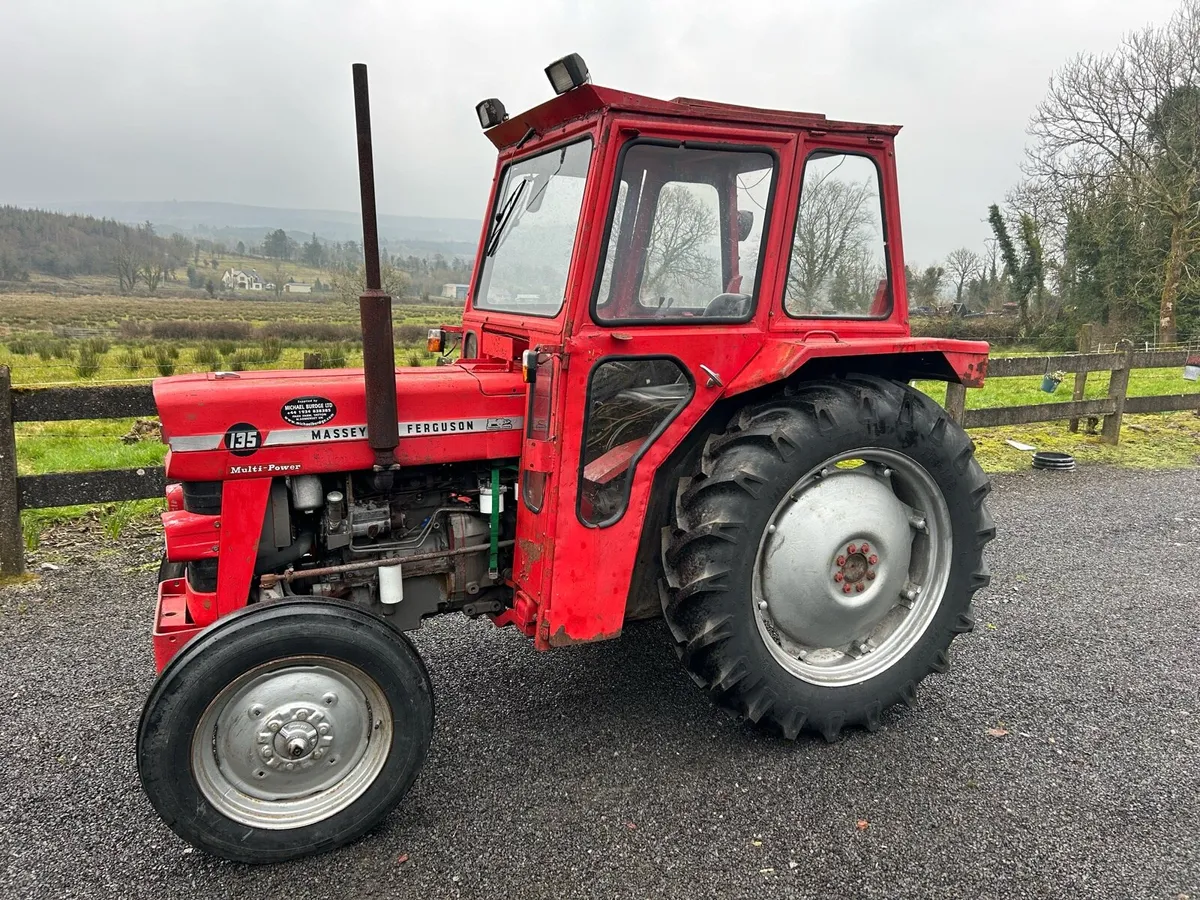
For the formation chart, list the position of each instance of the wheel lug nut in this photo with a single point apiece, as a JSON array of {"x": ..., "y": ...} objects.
[
  {"x": 846, "y": 588},
  {"x": 872, "y": 559},
  {"x": 865, "y": 548},
  {"x": 838, "y": 576},
  {"x": 265, "y": 751},
  {"x": 323, "y": 728},
  {"x": 302, "y": 714},
  {"x": 841, "y": 560},
  {"x": 274, "y": 725},
  {"x": 870, "y": 576},
  {"x": 853, "y": 548},
  {"x": 860, "y": 587}
]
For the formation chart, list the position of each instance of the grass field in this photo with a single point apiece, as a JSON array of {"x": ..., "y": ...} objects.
[{"x": 1157, "y": 441}]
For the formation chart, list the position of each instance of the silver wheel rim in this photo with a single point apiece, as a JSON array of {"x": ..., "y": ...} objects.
[
  {"x": 852, "y": 567},
  {"x": 292, "y": 742}
]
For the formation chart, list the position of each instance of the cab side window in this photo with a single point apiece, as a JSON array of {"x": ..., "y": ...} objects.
[{"x": 838, "y": 266}]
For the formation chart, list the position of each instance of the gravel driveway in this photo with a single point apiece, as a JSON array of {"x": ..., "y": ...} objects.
[{"x": 603, "y": 772}]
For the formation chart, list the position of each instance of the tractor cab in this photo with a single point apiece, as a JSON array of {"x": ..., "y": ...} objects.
[{"x": 645, "y": 260}]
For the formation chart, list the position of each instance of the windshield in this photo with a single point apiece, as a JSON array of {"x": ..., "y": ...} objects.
[{"x": 531, "y": 232}]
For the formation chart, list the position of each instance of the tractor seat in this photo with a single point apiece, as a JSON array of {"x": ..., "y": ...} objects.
[
  {"x": 656, "y": 394},
  {"x": 728, "y": 306}
]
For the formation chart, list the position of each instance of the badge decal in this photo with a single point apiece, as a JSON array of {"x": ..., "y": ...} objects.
[{"x": 308, "y": 411}]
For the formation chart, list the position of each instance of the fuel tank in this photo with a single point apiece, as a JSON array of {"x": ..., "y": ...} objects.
[{"x": 226, "y": 425}]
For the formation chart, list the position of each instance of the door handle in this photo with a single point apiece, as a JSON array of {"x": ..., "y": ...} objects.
[{"x": 714, "y": 380}]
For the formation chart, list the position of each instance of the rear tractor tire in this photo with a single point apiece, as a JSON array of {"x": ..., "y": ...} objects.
[
  {"x": 825, "y": 554},
  {"x": 284, "y": 730}
]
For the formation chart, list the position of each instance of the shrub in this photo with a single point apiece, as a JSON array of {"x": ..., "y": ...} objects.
[
  {"x": 22, "y": 347},
  {"x": 414, "y": 359},
  {"x": 45, "y": 351},
  {"x": 310, "y": 332},
  {"x": 164, "y": 362},
  {"x": 98, "y": 345},
  {"x": 334, "y": 357},
  {"x": 131, "y": 360},
  {"x": 186, "y": 330},
  {"x": 173, "y": 352},
  {"x": 131, "y": 328},
  {"x": 226, "y": 347},
  {"x": 411, "y": 334},
  {"x": 997, "y": 329},
  {"x": 243, "y": 359},
  {"x": 206, "y": 355},
  {"x": 271, "y": 349},
  {"x": 88, "y": 363}
]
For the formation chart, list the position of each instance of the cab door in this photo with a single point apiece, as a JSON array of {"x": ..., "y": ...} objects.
[{"x": 685, "y": 269}]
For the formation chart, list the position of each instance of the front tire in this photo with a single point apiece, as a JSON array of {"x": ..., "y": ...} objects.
[
  {"x": 826, "y": 553},
  {"x": 285, "y": 730}
]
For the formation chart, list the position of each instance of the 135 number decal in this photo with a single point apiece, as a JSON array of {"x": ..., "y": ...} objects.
[{"x": 242, "y": 439}]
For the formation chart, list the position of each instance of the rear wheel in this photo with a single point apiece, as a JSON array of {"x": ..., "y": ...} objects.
[
  {"x": 825, "y": 555},
  {"x": 285, "y": 730}
]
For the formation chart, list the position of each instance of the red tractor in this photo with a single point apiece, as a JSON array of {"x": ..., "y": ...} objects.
[{"x": 680, "y": 388}]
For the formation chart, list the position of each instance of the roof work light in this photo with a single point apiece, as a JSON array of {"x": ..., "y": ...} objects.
[
  {"x": 567, "y": 73},
  {"x": 491, "y": 113}
]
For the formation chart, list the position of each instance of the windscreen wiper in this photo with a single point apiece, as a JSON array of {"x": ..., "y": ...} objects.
[{"x": 502, "y": 219}]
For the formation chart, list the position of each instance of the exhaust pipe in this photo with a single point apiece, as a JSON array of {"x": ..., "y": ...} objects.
[{"x": 375, "y": 306}]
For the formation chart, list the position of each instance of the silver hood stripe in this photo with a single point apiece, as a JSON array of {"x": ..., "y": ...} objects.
[{"x": 323, "y": 434}]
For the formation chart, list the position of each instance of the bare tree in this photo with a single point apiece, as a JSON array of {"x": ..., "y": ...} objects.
[
  {"x": 1132, "y": 115},
  {"x": 963, "y": 265},
  {"x": 833, "y": 226},
  {"x": 348, "y": 284},
  {"x": 152, "y": 269},
  {"x": 278, "y": 279},
  {"x": 126, "y": 263},
  {"x": 678, "y": 256}
]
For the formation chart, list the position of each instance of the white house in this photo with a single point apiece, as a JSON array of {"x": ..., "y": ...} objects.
[
  {"x": 455, "y": 291},
  {"x": 296, "y": 287},
  {"x": 242, "y": 280}
]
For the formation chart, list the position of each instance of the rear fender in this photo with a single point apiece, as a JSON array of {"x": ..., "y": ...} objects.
[{"x": 903, "y": 359}]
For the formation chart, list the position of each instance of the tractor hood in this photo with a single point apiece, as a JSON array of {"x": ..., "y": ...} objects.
[{"x": 256, "y": 424}]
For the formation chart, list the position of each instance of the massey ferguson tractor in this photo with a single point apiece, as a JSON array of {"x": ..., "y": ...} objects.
[{"x": 680, "y": 387}]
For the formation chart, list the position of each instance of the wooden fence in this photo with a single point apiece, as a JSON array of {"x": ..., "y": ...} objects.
[
  {"x": 53, "y": 404},
  {"x": 1112, "y": 408}
]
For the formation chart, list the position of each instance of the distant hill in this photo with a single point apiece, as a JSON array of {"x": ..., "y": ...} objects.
[
  {"x": 231, "y": 222},
  {"x": 65, "y": 245}
]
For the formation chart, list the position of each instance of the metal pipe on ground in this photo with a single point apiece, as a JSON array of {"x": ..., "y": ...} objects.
[{"x": 374, "y": 305}]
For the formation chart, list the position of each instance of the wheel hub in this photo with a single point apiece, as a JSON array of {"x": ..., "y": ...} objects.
[
  {"x": 290, "y": 742},
  {"x": 837, "y": 559}
]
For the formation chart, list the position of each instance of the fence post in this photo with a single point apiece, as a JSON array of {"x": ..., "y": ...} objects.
[
  {"x": 1083, "y": 345},
  {"x": 12, "y": 543},
  {"x": 312, "y": 360},
  {"x": 956, "y": 400},
  {"x": 1118, "y": 385}
]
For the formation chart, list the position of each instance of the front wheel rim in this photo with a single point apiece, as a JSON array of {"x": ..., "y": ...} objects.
[
  {"x": 292, "y": 742},
  {"x": 830, "y": 613}
]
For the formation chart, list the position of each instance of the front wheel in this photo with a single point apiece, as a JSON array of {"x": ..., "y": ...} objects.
[
  {"x": 826, "y": 553},
  {"x": 285, "y": 730}
]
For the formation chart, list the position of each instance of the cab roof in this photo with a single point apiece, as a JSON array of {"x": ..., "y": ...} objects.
[{"x": 589, "y": 99}]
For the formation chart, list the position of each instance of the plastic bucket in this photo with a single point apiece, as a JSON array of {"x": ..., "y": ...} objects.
[{"x": 1050, "y": 383}]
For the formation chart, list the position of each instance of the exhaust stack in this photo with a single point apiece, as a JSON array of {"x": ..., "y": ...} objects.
[{"x": 374, "y": 305}]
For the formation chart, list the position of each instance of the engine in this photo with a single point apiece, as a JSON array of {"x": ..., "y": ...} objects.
[{"x": 415, "y": 547}]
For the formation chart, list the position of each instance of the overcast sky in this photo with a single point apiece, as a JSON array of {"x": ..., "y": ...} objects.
[{"x": 249, "y": 100}]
